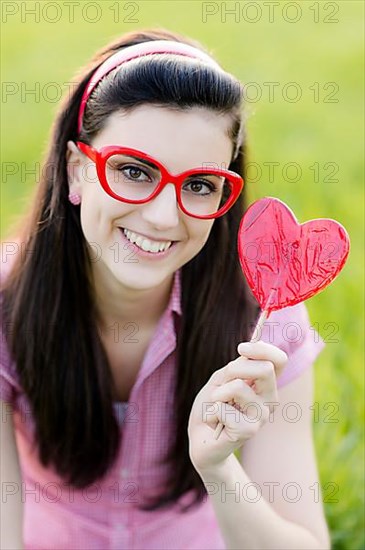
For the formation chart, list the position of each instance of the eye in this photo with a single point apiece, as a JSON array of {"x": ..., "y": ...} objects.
[
  {"x": 133, "y": 172},
  {"x": 202, "y": 187}
]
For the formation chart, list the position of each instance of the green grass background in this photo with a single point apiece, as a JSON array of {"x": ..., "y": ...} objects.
[{"x": 305, "y": 132}]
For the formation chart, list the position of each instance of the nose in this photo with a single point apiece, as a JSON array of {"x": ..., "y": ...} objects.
[{"x": 162, "y": 211}]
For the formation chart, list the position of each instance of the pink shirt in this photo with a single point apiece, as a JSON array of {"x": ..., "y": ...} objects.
[{"x": 104, "y": 516}]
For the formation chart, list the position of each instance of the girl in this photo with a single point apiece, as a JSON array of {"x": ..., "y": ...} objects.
[{"x": 124, "y": 307}]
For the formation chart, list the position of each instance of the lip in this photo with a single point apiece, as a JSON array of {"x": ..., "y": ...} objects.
[{"x": 142, "y": 253}]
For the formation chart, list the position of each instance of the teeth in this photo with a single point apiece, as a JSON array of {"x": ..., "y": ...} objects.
[{"x": 146, "y": 244}]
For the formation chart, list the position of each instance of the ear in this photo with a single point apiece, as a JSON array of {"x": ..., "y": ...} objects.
[{"x": 74, "y": 159}]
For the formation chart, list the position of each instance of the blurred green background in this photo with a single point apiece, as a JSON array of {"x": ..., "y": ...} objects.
[{"x": 302, "y": 63}]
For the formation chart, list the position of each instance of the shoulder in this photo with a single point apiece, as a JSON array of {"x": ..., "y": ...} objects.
[
  {"x": 9, "y": 252},
  {"x": 290, "y": 329},
  {"x": 9, "y": 380}
]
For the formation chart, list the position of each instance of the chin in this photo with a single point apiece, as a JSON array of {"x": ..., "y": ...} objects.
[{"x": 142, "y": 279}]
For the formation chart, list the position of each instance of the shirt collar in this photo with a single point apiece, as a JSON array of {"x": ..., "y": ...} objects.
[
  {"x": 165, "y": 337},
  {"x": 175, "y": 297}
]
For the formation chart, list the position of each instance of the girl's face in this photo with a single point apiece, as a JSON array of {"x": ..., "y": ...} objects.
[{"x": 180, "y": 141}]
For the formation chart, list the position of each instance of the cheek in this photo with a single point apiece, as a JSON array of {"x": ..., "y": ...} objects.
[
  {"x": 89, "y": 221},
  {"x": 92, "y": 189},
  {"x": 200, "y": 232},
  {"x": 100, "y": 215},
  {"x": 94, "y": 214}
]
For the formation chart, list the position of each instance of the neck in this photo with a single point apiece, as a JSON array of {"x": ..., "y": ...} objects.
[{"x": 117, "y": 303}]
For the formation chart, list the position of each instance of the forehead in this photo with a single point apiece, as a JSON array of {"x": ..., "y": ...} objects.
[{"x": 178, "y": 139}]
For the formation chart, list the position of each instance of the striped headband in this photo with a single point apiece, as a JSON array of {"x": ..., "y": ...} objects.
[{"x": 139, "y": 50}]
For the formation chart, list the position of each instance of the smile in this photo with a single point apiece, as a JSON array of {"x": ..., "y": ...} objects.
[{"x": 146, "y": 244}]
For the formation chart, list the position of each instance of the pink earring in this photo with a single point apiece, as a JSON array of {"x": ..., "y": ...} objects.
[{"x": 74, "y": 198}]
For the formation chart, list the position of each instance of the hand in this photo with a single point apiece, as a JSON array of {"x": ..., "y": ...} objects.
[{"x": 234, "y": 395}]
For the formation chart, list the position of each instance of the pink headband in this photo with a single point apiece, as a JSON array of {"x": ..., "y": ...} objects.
[{"x": 139, "y": 50}]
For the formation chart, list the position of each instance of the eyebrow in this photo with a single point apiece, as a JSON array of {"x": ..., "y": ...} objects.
[
  {"x": 143, "y": 161},
  {"x": 151, "y": 165}
]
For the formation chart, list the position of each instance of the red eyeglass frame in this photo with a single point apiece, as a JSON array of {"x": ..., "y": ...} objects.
[{"x": 101, "y": 156}]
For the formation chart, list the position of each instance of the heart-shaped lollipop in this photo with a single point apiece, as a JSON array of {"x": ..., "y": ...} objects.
[{"x": 286, "y": 262}]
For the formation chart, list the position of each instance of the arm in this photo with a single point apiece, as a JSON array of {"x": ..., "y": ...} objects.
[
  {"x": 280, "y": 453},
  {"x": 11, "y": 517}
]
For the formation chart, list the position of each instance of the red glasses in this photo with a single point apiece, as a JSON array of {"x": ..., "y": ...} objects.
[{"x": 131, "y": 176}]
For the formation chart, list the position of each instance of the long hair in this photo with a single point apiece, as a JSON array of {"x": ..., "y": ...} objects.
[{"x": 47, "y": 297}]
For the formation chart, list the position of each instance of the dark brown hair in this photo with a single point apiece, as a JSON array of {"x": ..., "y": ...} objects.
[{"x": 47, "y": 298}]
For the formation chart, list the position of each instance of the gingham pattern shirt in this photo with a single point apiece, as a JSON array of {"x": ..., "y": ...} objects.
[{"x": 105, "y": 515}]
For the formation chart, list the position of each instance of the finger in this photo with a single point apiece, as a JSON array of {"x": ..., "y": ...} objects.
[
  {"x": 237, "y": 392},
  {"x": 259, "y": 373},
  {"x": 220, "y": 376},
  {"x": 237, "y": 425},
  {"x": 265, "y": 352}
]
